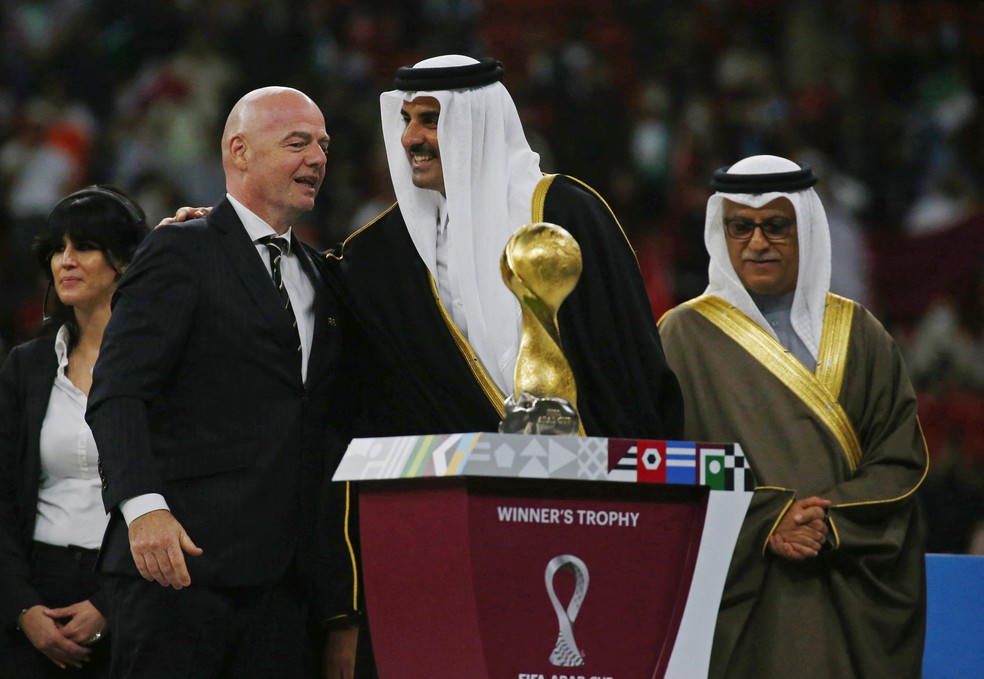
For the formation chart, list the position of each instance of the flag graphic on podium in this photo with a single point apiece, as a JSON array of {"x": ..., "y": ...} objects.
[
  {"x": 681, "y": 462},
  {"x": 724, "y": 467},
  {"x": 625, "y": 456},
  {"x": 651, "y": 462}
]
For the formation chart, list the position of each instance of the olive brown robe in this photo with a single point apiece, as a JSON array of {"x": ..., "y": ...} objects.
[{"x": 848, "y": 433}]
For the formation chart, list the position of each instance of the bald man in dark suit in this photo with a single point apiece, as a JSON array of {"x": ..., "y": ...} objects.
[{"x": 216, "y": 407}]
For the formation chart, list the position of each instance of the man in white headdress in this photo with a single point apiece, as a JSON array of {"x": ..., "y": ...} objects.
[
  {"x": 424, "y": 276},
  {"x": 827, "y": 579}
]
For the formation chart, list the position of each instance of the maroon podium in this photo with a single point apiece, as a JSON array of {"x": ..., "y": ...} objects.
[{"x": 510, "y": 556}]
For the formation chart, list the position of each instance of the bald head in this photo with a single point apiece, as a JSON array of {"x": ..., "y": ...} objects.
[
  {"x": 273, "y": 153},
  {"x": 258, "y": 110}
]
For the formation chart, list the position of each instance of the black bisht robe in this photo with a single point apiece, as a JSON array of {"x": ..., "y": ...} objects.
[{"x": 420, "y": 377}]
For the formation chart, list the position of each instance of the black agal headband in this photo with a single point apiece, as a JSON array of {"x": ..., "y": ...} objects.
[
  {"x": 795, "y": 180},
  {"x": 485, "y": 72}
]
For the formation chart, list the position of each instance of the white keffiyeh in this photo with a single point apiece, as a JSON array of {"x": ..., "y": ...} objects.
[
  {"x": 813, "y": 235},
  {"x": 490, "y": 174}
]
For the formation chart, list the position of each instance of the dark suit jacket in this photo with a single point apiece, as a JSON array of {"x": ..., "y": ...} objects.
[
  {"x": 25, "y": 388},
  {"x": 197, "y": 395}
]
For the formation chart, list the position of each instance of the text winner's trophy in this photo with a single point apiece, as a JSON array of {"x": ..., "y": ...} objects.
[{"x": 541, "y": 264}]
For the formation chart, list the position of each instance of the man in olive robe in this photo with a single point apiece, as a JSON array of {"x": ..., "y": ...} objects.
[{"x": 827, "y": 579}]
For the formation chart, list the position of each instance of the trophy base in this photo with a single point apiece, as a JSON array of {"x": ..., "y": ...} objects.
[{"x": 535, "y": 415}]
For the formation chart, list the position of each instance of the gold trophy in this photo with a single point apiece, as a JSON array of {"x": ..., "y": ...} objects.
[{"x": 541, "y": 264}]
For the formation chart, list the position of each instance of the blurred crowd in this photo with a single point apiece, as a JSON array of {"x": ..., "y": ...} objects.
[{"x": 641, "y": 99}]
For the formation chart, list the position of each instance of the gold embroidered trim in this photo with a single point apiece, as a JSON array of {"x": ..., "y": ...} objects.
[
  {"x": 906, "y": 494},
  {"x": 789, "y": 503},
  {"x": 351, "y": 549},
  {"x": 478, "y": 370},
  {"x": 332, "y": 255},
  {"x": 833, "y": 529},
  {"x": 834, "y": 341},
  {"x": 540, "y": 197},
  {"x": 607, "y": 207},
  {"x": 785, "y": 367}
]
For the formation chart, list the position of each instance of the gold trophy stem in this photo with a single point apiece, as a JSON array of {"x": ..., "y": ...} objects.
[
  {"x": 541, "y": 265},
  {"x": 541, "y": 367}
]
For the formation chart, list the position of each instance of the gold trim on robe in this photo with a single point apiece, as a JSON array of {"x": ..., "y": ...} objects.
[
  {"x": 540, "y": 198},
  {"x": 340, "y": 257},
  {"x": 478, "y": 370},
  {"x": 837, "y": 318},
  {"x": 351, "y": 548},
  {"x": 808, "y": 387}
]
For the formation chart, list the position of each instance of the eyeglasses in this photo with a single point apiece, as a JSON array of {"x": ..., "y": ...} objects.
[{"x": 773, "y": 229}]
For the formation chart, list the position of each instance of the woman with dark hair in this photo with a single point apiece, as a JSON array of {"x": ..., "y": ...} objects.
[{"x": 51, "y": 513}]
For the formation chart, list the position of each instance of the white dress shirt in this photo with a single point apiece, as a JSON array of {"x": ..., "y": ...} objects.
[
  {"x": 70, "y": 508},
  {"x": 448, "y": 286},
  {"x": 300, "y": 289}
]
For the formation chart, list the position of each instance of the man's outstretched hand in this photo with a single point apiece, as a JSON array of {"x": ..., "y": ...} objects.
[{"x": 159, "y": 544}]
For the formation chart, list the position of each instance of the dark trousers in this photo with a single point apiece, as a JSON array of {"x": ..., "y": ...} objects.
[
  {"x": 202, "y": 632},
  {"x": 62, "y": 576}
]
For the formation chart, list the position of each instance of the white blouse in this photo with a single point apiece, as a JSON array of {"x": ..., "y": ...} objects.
[{"x": 70, "y": 508}]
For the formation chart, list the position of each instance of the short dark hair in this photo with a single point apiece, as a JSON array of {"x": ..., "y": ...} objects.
[{"x": 101, "y": 214}]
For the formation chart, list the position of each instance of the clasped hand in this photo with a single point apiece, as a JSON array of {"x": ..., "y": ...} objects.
[
  {"x": 61, "y": 633},
  {"x": 802, "y": 531}
]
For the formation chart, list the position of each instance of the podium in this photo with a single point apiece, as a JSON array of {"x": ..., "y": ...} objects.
[{"x": 493, "y": 556}]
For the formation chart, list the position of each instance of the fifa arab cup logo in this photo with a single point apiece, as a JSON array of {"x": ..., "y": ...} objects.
[
  {"x": 565, "y": 652},
  {"x": 541, "y": 265}
]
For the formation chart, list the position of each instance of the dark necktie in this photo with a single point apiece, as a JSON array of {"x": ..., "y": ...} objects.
[{"x": 277, "y": 247}]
